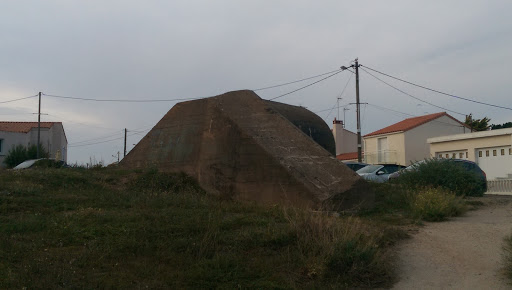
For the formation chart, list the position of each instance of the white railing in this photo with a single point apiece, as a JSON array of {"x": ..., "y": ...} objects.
[{"x": 499, "y": 185}]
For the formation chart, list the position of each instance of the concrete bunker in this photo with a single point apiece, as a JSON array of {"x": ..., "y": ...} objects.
[{"x": 240, "y": 146}]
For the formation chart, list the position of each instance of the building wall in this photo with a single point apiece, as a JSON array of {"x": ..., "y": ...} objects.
[
  {"x": 10, "y": 139},
  {"x": 346, "y": 141},
  {"x": 496, "y": 164},
  {"x": 416, "y": 145},
  {"x": 53, "y": 140},
  {"x": 395, "y": 144}
]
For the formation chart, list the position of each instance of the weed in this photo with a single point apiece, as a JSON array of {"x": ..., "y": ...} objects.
[{"x": 436, "y": 204}]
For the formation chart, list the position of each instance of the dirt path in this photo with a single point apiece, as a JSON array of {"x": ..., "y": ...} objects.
[{"x": 463, "y": 253}]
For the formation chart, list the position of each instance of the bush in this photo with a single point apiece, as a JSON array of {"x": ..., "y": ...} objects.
[
  {"x": 20, "y": 153},
  {"x": 436, "y": 204},
  {"x": 443, "y": 173}
]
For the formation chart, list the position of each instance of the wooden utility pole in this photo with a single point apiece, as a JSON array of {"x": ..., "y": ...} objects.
[
  {"x": 358, "y": 113},
  {"x": 38, "y": 127},
  {"x": 125, "y": 142}
]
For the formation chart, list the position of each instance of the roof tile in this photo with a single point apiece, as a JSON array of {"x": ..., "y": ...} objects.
[
  {"x": 22, "y": 127},
  {"x": 409, "y": 124}
]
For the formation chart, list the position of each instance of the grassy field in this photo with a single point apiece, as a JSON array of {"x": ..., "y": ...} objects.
[{"x": 77, "y": 228}]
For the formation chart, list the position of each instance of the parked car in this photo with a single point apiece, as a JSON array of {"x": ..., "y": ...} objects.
[
  {"x": 355, "y": 165},
  {"x": 466, "y": 164},
  {"x": 379, "y": 172},
  {"x": 45, "y": 162}
]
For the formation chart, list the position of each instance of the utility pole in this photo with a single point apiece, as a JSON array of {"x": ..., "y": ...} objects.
[
  {"x": 125, "y": 142},
  {"x": 38, "y": 127},
  {"x": 344, "y": 110},
  {"x": 338, "y": 105},
  {"x": 358, "y": 111}
]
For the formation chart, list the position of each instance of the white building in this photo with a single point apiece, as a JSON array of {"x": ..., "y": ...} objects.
[
  {"x": 52, "y": 137},
  {"x": 491, "y": 150}
]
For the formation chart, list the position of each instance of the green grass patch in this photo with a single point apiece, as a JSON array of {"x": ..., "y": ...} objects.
[{"x": 111, "y": 228}]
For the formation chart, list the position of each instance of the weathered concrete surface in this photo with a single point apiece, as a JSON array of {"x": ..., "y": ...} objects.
[{"x": 238, "y": 145}]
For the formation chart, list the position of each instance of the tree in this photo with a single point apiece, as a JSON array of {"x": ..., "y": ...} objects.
[
  {"x": 501, "y": 126},
  {"x": 20, "y": 153},
  {"x": 477, "y": 124}
]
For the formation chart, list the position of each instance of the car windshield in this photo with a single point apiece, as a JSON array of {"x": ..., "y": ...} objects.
[{"x": 369, "y": 169}]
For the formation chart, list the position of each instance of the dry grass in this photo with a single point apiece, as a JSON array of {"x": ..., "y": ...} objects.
[{"x": 106, "y": 228}]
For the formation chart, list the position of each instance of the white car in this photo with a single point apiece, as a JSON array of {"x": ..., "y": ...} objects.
[{"x": 378, "y": 172}]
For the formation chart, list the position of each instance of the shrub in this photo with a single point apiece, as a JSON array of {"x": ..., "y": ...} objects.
[
  {"x": 436, "y": 204},
  {"x": 20, "y": 153},
  {"x": 443, "y": 173}
]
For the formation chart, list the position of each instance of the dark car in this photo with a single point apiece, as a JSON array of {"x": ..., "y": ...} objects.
[
  {"x": 466, "y": 164},
  {"x": 355, "y": 165}
]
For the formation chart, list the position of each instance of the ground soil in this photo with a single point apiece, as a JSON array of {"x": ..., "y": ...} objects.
[{"x": 462, "y": 253}]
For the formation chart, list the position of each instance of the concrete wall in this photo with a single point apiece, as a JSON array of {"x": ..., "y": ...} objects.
[
  {"x": 237, "y": 146},
  {"x": 416, "y": 145},
  {"x": 345, "y": 140},
  {"x": 10, "y": 139},
  {"x": 496, "y": 164}
]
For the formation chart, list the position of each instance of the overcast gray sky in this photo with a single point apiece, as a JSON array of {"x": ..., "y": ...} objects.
[{"x": 143, "y": 50}]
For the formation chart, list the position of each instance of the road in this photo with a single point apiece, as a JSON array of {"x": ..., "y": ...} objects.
[{"x": 462, "y": 253}]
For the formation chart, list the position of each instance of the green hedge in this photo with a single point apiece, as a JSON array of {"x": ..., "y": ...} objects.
[{"x": 444, "y": 173}]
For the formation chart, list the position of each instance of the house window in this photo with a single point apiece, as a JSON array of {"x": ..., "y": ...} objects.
[
  {"x": 487, "y": 153},
  {"x": 502, "y": 151},
  {"x": 461, "y": 155},
  {"x": 1, "y": 145},
  {"x": 447, "y": 155},
  {"x": 454, "y": 155},
  {"x": 479, "y": 153},
  {"x": 466, "y": 154},
  {"x": 440, "y": 156},
  {"x": 494, "y": 153}
]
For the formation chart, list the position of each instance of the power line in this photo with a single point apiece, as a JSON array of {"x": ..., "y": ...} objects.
[
  {"x": 410, "y": 115},
  {"x": 297, "y": 81},
  {"x": 439, "y": 92},
  {"x": 19, "y": 99},
  {"x": 348, "y": 81},
  {"x": 121, "y": 100},
  {"x": 403, "y": 92},
  {"x": 89, "y": 144},
  {"x": 306, "y": 86}
]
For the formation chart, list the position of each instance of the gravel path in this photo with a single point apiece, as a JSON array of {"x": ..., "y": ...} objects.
[{"x": 463, "y": 253}]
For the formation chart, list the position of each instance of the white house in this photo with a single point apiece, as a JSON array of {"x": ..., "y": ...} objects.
[
  {"x": 491, "y": 150},
  {"x": 406, "y": 142},
  {"x": 52, "y": 137}
]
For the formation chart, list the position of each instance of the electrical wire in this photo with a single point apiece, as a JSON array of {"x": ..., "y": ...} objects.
[
  {"x": 120, "y": 100},
  {"x": 403, "y": 92},
  {"x": 106, "y": 141},
  {"x": 19, "y": 99},
  {"x": 411, "y": 116},
  {"x": 439, "y": 92},
  {"x": 349, "y": 78},
  {"x": 297, "y": 81},
  {"x": 306, "y": 86}
]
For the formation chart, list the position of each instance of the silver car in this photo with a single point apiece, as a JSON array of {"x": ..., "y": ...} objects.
[{"x": 379, "y": 172}]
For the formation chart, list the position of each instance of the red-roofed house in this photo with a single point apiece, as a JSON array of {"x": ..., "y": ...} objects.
[
  {"x": 406, "y": 142},
  {"x": 52, "y": 137}
]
